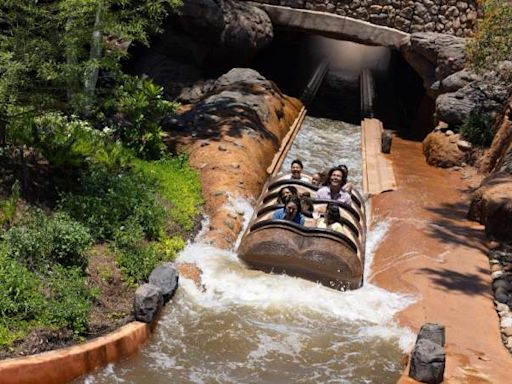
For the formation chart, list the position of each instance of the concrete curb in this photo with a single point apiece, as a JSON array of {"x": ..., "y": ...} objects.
[{"x": 65, "y": 364}]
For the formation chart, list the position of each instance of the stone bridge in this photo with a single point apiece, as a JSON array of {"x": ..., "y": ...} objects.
[{"x": 376, "y": 22}]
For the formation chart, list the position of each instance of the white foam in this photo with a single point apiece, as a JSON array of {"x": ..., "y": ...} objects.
[{"x": 228, "y": 282}]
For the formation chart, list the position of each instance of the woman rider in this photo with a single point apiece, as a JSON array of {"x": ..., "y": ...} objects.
[
  {"x": 284, "y": 193},
  {"x": 333, "y": 189},
  {"x": 291, "y": 211},
  {"x": 332, "y": 219}
]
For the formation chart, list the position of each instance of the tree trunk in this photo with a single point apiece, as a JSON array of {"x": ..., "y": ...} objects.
[{"x": 91, "y": 76}]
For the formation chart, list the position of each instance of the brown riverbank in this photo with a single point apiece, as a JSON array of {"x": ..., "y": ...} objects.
[{"x": 433, "y": 252}]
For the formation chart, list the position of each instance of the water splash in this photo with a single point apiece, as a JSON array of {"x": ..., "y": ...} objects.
[{"x": 245, "y": 326}]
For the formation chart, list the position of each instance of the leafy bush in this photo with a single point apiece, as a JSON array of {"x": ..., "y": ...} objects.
[
  {"x": 492, "y": 42},
  {"x": 21, "y": 298},
  {"x": 106, "y": 201},
  {"x": 137, "y": 109},
  {"x": 8, "y": 206},
  {"x": 178, "y": 184},
  {"x": 169, "y": 247},
  {"x": 70, "y": 299},
  {"x": 70, "y": 241},
  {"x": 477, "y": 129},
  {"x": 40, "y": 241},
  {"x": 136, "y": 257}
]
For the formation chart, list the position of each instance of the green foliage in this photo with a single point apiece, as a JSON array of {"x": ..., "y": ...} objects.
[
  {"x": 67, "y": 141},
  {"x": 477, "y": 129},
  {"x": 45, "y": 45},
  {"x": 8, "y": 206},
  {"x": 70, "y": 241},
  {"x": 58, "y": 298},
  {"x": 170, "y": 246},
  {"x": 70, "y": 299},
  {"x": 21, "y": 298},
  {"x": 107, "y": 201},
  {"x": 138, "y": 109},
  {"x": 492, "y": 42},
  {"x": 39, "y": 242},
  {"x": 136, "y": 257},
  {"x": 178, "y": 184}
]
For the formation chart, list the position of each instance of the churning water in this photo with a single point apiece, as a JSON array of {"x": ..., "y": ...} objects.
[{"x": 246, "y": 326}]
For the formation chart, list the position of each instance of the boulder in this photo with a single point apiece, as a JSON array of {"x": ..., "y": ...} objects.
[
  {"x": 487, "y": 96},
  {"x": 455, "y": 81},
  {"x": 427, "y": 362},
  {"x": 165, "y": 277},
  {"x": 147, "y": 303},
  {"x": 441, "y": 149},
  {"x": 433, "y": 332},
  {"x": 491, "y": 205},
  {"x": 233, "y": 129},
  {"x": 434, "y": 56},
  {"x": 205, "y": 37}
]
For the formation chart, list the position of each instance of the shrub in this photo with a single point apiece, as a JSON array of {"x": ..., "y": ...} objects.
[
  {"x": 169, "y": 247},
  {"x": 477, "y": 129},
  {"x": 136, "y": 257},
  {"x": 21, "y": 299},
  {"x": 137, "y": 109},
  {"x": 8, "y": 206},
  {"x": 40, "y": 241},
  {"x": 492, "y": 42},
  {"x": 30, "y": 242},
  {"x": 70, "y": 241},
  {"x": 106, "y": 201},
  {"x": 69, "y": 300},
  {"x": 178, "y": 184}
]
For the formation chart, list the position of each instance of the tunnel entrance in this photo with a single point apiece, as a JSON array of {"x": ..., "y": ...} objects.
[{"x": 401, "y": 102}]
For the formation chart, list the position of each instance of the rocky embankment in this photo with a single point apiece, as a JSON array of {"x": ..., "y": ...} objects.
[
  {"x": 231, "y": 128},
  {"x": 461, "y": 94}
]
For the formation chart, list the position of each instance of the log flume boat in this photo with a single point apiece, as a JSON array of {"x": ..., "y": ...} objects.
[{"x": 334, "y": 259}]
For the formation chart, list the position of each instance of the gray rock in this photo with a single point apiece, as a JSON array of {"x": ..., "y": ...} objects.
[
  {"x": 427, "y": 362},
  {"x": 165, "y": 277},
  {"x": 464, "y": 145},
  {"x": 486, "y": 96},
  {"x": 500, "y": 283},
  {"x": 433, "y": 332},
  {"x": 204, "y": 36},
  {"x": 457, "y": 81},
  {"x": 148, "y": 301},
  {"x": 386, "y": 141},
  {"x": 501, "y": 295}
]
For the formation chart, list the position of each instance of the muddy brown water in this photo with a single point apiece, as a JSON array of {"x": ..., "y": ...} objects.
[{"x": 246, "y": 326}]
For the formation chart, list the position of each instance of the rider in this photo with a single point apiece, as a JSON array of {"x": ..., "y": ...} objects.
[
  {"x": 296, "y": 170},
  {"x": 291, "y": 211},
  {"x": 333, "y": 189}
]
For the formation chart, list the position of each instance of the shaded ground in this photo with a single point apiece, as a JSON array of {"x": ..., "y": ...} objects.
[{"x": 433, "y": 252}]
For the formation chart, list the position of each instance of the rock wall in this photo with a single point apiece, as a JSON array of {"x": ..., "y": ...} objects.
[
  {"x": 203, "y": 40},
  {"x": 454, "y": 17}
]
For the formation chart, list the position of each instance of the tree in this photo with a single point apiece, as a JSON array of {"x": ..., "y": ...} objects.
[
  {"x": 492, "y": 42},
  {"x": 52, "y": 51}
]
